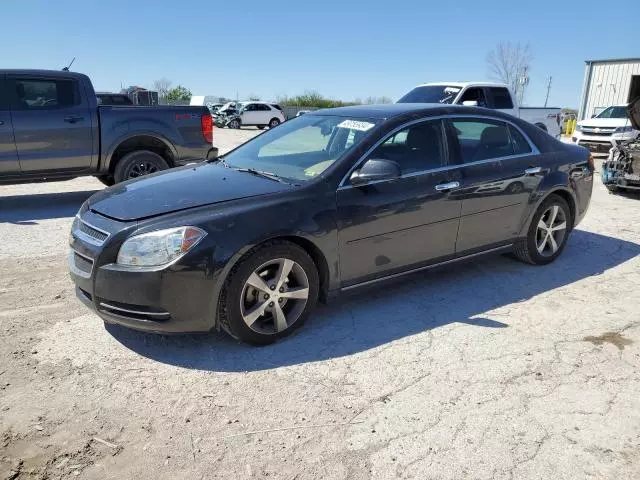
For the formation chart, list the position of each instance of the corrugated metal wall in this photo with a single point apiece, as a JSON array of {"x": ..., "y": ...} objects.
[{"x": 609, "y": 85}]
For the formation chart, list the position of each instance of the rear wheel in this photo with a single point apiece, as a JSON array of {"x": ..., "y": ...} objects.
[
  {"x": 138, "y": 164},
  {"x": 274, "y": 122},
  {"x": 548, "y": 232},
  {"x": 269, "y": 294}
]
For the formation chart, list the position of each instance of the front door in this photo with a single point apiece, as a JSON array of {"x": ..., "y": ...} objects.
[
  {"x": 389, "y": 226},
  {"x": 51, "y": 124},
  {"x": 495, "y": 186},
  {"x": 8, "y": 155},
  {"x": 251, "y": 115}
]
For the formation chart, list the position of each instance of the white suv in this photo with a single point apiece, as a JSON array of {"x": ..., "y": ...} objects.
[
  {"x": 605, "y": 131},
  {"x": 260, "y": 114}
]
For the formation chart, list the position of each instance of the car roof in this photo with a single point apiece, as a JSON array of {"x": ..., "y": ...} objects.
[
  {"x": 391, "y": 110},
  {"x": 48, "y": 73},
  {"x": 462, "y": 84}
]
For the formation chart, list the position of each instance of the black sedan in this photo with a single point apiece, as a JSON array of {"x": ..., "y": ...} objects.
[{"x": 330, "y": 201}]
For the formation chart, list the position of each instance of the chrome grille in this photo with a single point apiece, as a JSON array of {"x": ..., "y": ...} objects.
[{"x": 89, "y": 233}]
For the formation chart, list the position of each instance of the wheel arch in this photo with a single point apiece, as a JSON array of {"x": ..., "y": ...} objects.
[
  {"x": 541, "y": 126},
  {"x": 562, "y": 192},
  {"x": 307, "y": 245},
  {"x": 140, "y": 141}
]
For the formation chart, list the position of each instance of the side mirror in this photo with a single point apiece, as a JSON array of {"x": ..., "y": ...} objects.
[
  {"x": 470, "y": 103},
  {"x": 374, "y": 170}
]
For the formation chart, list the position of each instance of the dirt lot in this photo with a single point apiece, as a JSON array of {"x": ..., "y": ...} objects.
[{"x": 488, "y": 370}]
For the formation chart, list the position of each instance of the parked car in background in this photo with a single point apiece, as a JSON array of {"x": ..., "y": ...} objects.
[
  {"x": 259, "y": 114},
  {"x": 496, "y": 96},
  {"x": 114, "y": 99},
  {"x": 606, "y": 130},
  {"x": 52, "y": 128},
  {"x": 328, "y": 202},
  {"x": 302, "y": 112},
  {"x": 214, "y": 107}
]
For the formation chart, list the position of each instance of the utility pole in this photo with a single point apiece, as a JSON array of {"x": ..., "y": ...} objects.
[
  {"x": 548, "y": 89},
  {"x": 523, "y": 81}
]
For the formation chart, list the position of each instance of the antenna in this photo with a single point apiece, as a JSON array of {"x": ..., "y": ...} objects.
[
  {"x": 548, "y": 89},
  {"x": 66, "y": 69}
]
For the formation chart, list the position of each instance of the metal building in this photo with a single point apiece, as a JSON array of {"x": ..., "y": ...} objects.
[{"x": 608, "y": 82}]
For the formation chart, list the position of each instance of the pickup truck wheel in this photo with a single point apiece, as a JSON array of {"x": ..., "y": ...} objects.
[
  {"x": 542, "y": 126},
  {"x": 106, "y": 179},
  {"x": 138, "y": 164}
]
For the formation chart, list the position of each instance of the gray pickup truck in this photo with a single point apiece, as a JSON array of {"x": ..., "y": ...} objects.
[{"x": 51, "y": 128}]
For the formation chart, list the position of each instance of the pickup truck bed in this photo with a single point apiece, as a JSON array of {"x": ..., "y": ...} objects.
[{"x": 51, "y": 128}]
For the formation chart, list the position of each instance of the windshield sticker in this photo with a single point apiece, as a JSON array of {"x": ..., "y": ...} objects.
[
  {"x": 451, "y": 90},
  {"x": 356, "y": 125}
]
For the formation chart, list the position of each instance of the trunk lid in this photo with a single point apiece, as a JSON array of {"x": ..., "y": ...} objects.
[{"x": 180, "y": 189}]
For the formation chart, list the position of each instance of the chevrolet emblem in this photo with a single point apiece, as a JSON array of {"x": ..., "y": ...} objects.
[{"x": 597, "y": 130}]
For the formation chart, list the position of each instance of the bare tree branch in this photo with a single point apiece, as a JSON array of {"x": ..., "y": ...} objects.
[
  {"x": 507, "y": 62},
  {"x": 162, "y": 86}
]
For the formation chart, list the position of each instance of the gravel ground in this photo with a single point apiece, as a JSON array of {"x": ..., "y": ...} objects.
[{"x": 487, "y": 370}]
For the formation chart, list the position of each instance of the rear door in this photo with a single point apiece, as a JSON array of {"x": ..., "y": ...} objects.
[
  {"x": 495, "y": 186},
  {"x": 8, "y": 155},
  {"x": 51, "y": 123}
]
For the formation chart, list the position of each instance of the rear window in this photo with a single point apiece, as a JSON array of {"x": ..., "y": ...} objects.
[
  {"x": 45, "y": 94},
  {"x": 501, "y": 98}
]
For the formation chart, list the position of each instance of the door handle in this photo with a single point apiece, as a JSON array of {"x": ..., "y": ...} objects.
[
  {"x": 73, "y": 119},
  {"x": 533, "y": 170},
  {"x": 447, "y": 186}
]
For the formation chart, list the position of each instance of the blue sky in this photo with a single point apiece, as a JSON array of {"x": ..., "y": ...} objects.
[{"x": 341, "y": 48}]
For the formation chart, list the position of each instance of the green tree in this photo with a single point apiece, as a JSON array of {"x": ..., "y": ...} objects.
[{"x": 179, "y": 93}]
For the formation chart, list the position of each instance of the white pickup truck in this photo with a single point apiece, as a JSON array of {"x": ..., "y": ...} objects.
[{"x": 496, "y": 96}]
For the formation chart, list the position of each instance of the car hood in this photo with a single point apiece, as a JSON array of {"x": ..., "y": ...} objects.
[
  {"x": 633, "y": 112},
  {"x": 180, "y": 189}
]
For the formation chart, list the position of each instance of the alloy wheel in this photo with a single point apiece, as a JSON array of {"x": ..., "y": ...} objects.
[
  {"x": 142, "y": 168},
  {"x": 551, "y": 231},
  {"x": 274, "y": 296}
]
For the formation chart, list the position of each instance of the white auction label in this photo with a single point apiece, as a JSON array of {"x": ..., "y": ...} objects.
[{"x": 357, "y": 125}]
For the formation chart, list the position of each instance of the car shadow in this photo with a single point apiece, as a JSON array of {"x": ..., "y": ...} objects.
[
  {"x": 459, "y": 293},
  {"x": 27, "y": 209}
]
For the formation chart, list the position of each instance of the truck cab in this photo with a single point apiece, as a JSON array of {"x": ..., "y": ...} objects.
[{"x": 496, "y": 96}]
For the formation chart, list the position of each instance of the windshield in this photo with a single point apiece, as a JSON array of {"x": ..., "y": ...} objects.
[
  {"x": 302, "y": 148},
  {"x": 613, "y": 112},
  {"x": 431, "y": 94}
]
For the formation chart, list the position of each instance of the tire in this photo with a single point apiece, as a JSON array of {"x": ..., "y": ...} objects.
[
  {"x": 106, "y": 179},
  {"x": 274, "y": 122},
  {"x": 613, "y": 189},
  {"x": 542, "y": 127},
  {"x": 260, "y": 127},
  {"x": 234, "y": 124},
  {"x": 247, "y": 314},
  {"x": 526, "y": 249},
  {"x": 137, "y": 164}
]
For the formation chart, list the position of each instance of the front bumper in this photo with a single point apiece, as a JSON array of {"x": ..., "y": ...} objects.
[
  {"x": 600, "y": 145},
  {"x": 175, "y": 299}
]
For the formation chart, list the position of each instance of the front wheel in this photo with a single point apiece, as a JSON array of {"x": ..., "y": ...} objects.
[
  {"x": 547, "y": 234},
  {"x": 234, "y": 124},
  {"x": 269, "y": 293}
]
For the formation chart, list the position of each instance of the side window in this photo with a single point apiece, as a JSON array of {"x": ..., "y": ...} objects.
[
  {"x": 41, "y": 94},
  {"x": 482, "y": 139},
  {"x": 475, "y": 94},
  {"x": 415, "y": 148},
  {"x": 251, "y": 107},
  {"x": 520, "y": 144},
  {"x": 501, "y": 98},
  {"x": 264, "y": 108}
]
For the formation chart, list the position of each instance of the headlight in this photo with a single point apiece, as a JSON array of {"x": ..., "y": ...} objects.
[
  {"x": 624, "y": 129},
  {"x": 159, "y": 248}
]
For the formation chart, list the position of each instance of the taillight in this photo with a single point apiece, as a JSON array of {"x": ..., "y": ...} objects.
[{"x": 206, "y": 124}]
